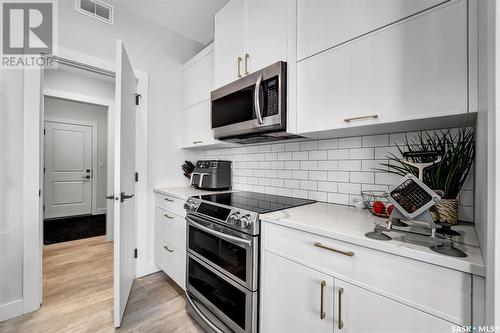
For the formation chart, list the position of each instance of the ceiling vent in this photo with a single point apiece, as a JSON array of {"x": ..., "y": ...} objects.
[{"x": 96, "y": 9}]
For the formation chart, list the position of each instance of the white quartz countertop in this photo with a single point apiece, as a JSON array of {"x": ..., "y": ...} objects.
[
  {"x": 350, "y": 224},
  {"x": 182, "y": 192}
]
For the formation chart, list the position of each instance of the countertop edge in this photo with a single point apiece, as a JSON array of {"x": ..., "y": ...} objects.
[{"x": 441, "y": 261}]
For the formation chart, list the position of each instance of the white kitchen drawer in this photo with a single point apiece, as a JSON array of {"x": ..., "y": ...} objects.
[
  {"x": 440, "y": 291},
  {"x": 173, "y": 204},
  {"x": 171, "y": 260},
  {"x": 170, "y": 227}
]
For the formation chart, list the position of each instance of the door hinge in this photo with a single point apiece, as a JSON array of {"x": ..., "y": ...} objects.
[
  {"x": 43, "y": 169},
  {"x": 39, "y": 192},
  {"x": 44, "y": 131},
  {"x": 136, "y": 176},
  {"x": 135, "y": 253},
  {"x": 137, "y": 98},
  {"x": 44, "y": 208}
]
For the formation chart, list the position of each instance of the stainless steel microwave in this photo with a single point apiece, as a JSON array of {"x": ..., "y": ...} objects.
[{"x": 253, "y": 108}]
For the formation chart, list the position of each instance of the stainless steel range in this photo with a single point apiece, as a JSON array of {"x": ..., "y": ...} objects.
[{"x": 223, "y": 257}]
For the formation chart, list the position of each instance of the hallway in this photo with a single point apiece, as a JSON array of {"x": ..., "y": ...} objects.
[{"x": 78, "y": 295}]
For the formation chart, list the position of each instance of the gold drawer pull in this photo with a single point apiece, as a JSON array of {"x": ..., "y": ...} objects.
[
  {"x": 169, "y": 200},
  {"x": 197, "y": 142},
  {"x": 341, "y": 322},
  {"x": 346, "y": 253},
  {"x": 168, "y": 216},
  {"x": 322, "y": 313},
  {"x": 166, "y": 248},
  {"x": 348, "y": 120},
  {"x": 239, "y": 65}
]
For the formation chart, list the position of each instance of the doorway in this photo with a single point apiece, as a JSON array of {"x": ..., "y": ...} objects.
[{"x": 75, "y": 170}]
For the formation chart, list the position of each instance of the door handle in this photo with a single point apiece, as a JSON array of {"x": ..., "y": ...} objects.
[
  {"x": 247, "y": 57},
  {"x": 239, "y": 65},
  {"x": 86, "y": 177},
  {"x": 169, "y": 250},
  {"x": 112, "y": 197},
  {"x": 124, "y": 196},
  {"x": 341, "y": 322},
  {"x": 256, "y": 99}
]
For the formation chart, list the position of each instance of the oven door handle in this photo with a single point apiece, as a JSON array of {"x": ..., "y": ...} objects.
[
  {"x": 221, "y": 235},
  {"x": 257, "y": 100}
]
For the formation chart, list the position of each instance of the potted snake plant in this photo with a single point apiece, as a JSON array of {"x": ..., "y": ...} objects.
[{"x": 449, "y": 175}]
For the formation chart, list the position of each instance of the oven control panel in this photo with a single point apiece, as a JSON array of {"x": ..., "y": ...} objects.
[{"x": 238, "y": 219}]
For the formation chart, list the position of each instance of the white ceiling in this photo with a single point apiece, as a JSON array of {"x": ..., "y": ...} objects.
[{"x": 190, "y": 18}]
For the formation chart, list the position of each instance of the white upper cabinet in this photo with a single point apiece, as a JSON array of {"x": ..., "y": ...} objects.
[
  {"x": 197, "y": 78},
  {"x": 266, "y": 33},
  {"x": 414, "y": 69},
  {"x": 229, "y": 43},
  {"x": 322, "y": 24},
  {"x": 250, "y": 35}
]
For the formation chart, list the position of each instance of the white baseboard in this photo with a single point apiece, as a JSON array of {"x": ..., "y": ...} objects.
[
  {"x": 11, "y": 309},
  {"x": 99, "y": 211},
  {"x": 148, "y": 268}
]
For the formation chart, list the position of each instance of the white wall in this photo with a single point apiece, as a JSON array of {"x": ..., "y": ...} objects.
[
  {"x": 11, "y": 137},
  {"x": 153, "y": 49},
  {"x": 69, "y": 110}
]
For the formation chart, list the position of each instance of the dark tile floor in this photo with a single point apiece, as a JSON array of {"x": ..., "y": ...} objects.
[{"x": 72, "y": 228}]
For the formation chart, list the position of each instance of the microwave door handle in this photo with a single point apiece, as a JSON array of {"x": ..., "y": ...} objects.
[
  {"x": 221, "y": 235},
  {"x": 257, "y": 100}
]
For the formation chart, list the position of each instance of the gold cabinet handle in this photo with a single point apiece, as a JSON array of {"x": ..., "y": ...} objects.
[
  {"x": 166, "y": 248},
  {"x": 197, "y": 142},
  {"x": 168, "y": 216},
  {"x": 322, "y": 313},
  {"x": 169, "y": 200},
  {"x": 247, "y": 57},
  {"x": 239, "y": 66},
  {"x": 341, "y": 322},
  {"x": 346, "y": 253},
  {"x": 348, "y": 120}
]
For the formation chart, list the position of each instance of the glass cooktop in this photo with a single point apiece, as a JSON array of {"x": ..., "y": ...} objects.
[{"x": 255, "y": 202}]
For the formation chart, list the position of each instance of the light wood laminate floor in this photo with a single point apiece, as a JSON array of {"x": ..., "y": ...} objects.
[{"x": 78, "y": 296}]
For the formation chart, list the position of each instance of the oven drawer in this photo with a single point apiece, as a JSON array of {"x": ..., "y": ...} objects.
[
  {"x": 170, "y": 227},
  {"x": 171, "y": 260},
  {"x": 173, "y": 204},
  {"x": 440, "y": 291}
]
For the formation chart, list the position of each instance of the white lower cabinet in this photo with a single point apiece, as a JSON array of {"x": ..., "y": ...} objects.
[
  {"x": 361, "y": 311},
  {"x": 291, "y": 299},
  {"x": 313, "y": 284},
  {"x": 170, "y": 237}
]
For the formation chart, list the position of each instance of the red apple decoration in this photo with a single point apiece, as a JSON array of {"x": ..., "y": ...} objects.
[{"x": 378, "y": 207}]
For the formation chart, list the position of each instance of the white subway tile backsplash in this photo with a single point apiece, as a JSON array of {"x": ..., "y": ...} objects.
[
  {"x": 309, "y": 145},
  {"x": 318, "y": 155},
  {"x": 349, "y": 188},
  {"x": 318, "y": 175},
  {"x": 284, "y": 156},
  {"x": 300, "y": 155},
  {"x": 331, "y": 170},
  {"x": 308, "y": 185},
  {"x": 300, "y": 174},
  {"x": 309, "y": 165},
  {"x": 362, "y": 177},
  {"x": 292, "y": 146},
  {"x": 328, "y": 165},
  {"x": 328, "y": 144},
  {"x": 338, "y": 176},
  {"x": 338, "y": 154},
  {"x": 350, "y": 165},
  {"x": 328, "y": 186},
  {"x": 375, "y": 140},
  {"x": 361, "y": 154}
]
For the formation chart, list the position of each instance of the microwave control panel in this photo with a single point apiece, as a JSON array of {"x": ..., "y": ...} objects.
[{"x": 272, "y": 96}]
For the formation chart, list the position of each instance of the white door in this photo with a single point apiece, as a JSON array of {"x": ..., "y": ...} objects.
[
  {"x": 228, "y": 45},
  {"x": 68, "y": 165},
  {"x": 360, "y": 311},
  {"x": 266, "y": 32},
  {"x": 124, "y": 166},
  {"x": 294, "y": 297}
]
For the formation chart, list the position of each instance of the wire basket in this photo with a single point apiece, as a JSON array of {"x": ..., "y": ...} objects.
[{"x": 370, "y": 197}]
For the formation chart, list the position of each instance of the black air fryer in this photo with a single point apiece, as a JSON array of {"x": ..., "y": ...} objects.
[{"x": 212, "y": 175}]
